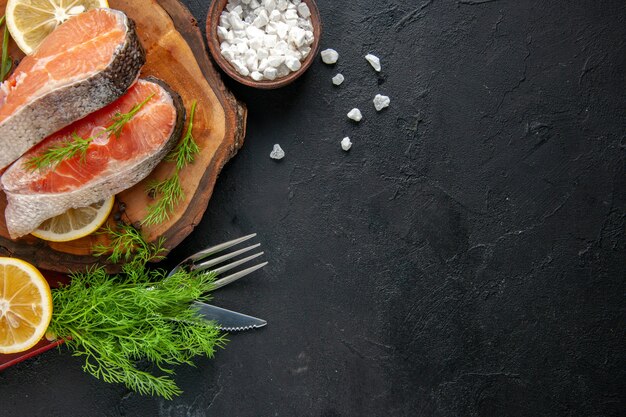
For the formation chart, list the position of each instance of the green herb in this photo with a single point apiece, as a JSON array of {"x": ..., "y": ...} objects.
[
  {"x": 170, "y": 189},
  {"x": 7, "y": 61},
  {"x": 61, "y": 151},
  {"x": 171, "y": 193},
  {"x": 115, "y": 321},
  {"x": 127, "y": 243},
  {"x": 77, "y": 145},
  {"x": 120, "y": 119},
  {"x": 187, "y": 149}
]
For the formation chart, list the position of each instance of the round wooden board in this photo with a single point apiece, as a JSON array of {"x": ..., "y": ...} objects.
[{"x": 176, "y": 53}]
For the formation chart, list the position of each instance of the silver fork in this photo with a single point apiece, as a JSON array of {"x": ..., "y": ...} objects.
[{"x": 205, "y": 260}]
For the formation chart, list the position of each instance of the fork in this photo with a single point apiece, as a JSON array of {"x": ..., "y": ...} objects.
[{"x": 205, "y": 260}]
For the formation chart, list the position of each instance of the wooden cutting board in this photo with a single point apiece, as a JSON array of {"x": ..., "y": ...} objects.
[{"x": 176, "y": 53}]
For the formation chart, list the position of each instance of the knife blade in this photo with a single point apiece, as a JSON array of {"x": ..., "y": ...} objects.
[{"x": 229, "y": 321}]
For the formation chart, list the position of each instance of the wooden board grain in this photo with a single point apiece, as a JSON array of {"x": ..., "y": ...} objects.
[{"x": 176, "y": 53}]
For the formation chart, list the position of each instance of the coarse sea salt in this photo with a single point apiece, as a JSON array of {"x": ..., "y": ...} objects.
[
  {"x": 374, "y": 62},
  {"x": 380, "y": 102},
  {"x": 355, "y": 114},
  {"x": 265, "y": 39},
  {"x": 329, "y": 56},
  {"x": 277, "y": 153},
  {"x": 346, "y": 144},
  {"x": 338, "y": 79}
]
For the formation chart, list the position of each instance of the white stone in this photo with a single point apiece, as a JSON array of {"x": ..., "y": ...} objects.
[
  {"x": 238, "y": 10},
  {"x": 241, "y": 67},
  {"x": 254, "y": 32},
  {"x": 261, "y": 20},
  {"x": 275, "y": 16},
  {"x": 293, "y": 63},
  {"x": 282, "y": 29},
  {"x": 338, "y": 79},
  {"x": 305, "y": 51},
  {"x": 241, "y": 49},
  {"x": 256, "y": 43},
  {"x": 282, "y": 47},
  {"x": 262, "y": 53},
  {"x": 235, "y": 21},
  {"x": 275, "y": 60},
  {"x": 346, "y": 144},
  {"x": 224, "y": 22},
  {"x": 297, "y": 36},
  {"x": 355, "y": 114},
  {"x": 291, "y": 15},
  {"x": 329, "y": 56},
  {"x": 282, "y": 71},
  {"x": 282, "y": 5},
  {"x": 303, "y": 10},
  {"x": 277, "y": 153},
  {"x": 270, "y": 41},
  {"x": 270, "y": 73},
  {"x": 229, "y": 55},
  {"x": 309, "y": 37},
  {"x": 256, "y": 76},
  {"x": 263, "y": 64},
  {"x": 380, "y": 102},
  {"x": 374, "y": 61},
  {"x": 269, "y": 5}
]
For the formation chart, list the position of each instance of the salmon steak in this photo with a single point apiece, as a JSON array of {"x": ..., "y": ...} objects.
[
  {"x": 83, "y": 65},
  {"x": 110, "y": 164}
]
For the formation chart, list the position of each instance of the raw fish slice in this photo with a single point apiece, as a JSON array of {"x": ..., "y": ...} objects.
[
  {"x": 111, "y": 165},
  {"x": 85, "y": 64}
]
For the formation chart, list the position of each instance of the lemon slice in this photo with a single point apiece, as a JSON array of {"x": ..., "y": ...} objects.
[
  {"x": 75, "y": 223},
  {"x": 30, "y": 21},
  {"x": 25, "y": 305}
]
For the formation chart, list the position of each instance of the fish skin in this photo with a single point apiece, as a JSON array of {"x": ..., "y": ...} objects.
[
  {"x": 59, "y": 108},
  {"x": 26, "y": 211}
]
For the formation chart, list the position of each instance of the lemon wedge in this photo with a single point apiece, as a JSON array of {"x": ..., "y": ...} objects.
[
  {"x": 25, "y": 305},
  {"x": 30, "y": 21},
  {"x": 75, "y": 223}
]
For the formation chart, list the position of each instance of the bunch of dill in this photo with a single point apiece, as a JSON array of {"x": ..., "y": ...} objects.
[{"x": 115, "y": 321}]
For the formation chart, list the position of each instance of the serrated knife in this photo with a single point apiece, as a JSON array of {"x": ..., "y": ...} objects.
[{"x": 229, "y": 321}]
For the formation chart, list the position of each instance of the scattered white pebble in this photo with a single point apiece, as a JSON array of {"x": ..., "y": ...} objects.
[
  {"x": 277, "y": 152},
  {"x": 252, "y": 32},
  {"x": 338, "y": 79},
  {"x": 374, "y": 61},
  {"x": 329, "y": 56},
  {"x": 380, "y": 102},
  {"x": 346, "y": 144},
  {"x": 355, "y": 114}
]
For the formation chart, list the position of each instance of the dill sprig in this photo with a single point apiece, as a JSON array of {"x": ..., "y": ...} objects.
[
  {"x": 171, "y": 192},
  {"x": 170, "y": 189},
  {"x": 61, "y": 151},
  {"x": 115, "y": 321},
  {"x": 127, "y": 244},
  {"x": 7, "y": 61},
  {"x": 68, "y": 149},
  {"x": 187, "y": 149},
  {"x": 119, "y": 120}
]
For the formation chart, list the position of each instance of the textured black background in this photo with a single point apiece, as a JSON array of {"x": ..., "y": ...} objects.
[{"x": 465, "y": 258}]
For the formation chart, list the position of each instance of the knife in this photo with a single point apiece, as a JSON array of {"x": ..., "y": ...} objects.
[{"x": 229, "y": 321}]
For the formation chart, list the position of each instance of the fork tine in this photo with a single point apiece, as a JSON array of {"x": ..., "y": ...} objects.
[
  {"x": 218, "y": 248},
  {"x": 234, "y": 277},
  {"x": 218, "y": 260},
  {"x": 235, "y": 264}
]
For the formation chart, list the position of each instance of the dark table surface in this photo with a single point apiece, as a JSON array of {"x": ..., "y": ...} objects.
[{"x": 465, "y": 258}]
